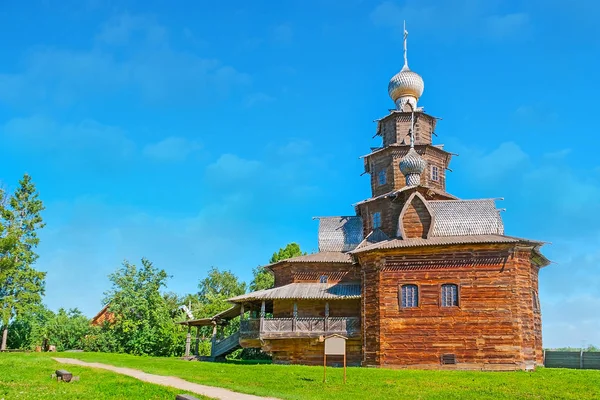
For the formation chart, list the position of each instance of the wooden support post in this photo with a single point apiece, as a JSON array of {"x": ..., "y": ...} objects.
[
  {"x": 295, "y": 315},
  {"x": 197, "y": 352},
  {"x": 242, "y": 311},
  {"x": 344, "y": 367},
  {"x": 188, "y": 341},
  {"x": 324, "y": 367},
  {"x": 326, "y": 316},
  {"x": 213, "y": 339},
  {"x": 262, "y": 315}
]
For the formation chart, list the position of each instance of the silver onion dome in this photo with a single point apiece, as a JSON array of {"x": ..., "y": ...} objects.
[
  {"x": 406, "y": 85},
  {"x": 412, "y": 166}
]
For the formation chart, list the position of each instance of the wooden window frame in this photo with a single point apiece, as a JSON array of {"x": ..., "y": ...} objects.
[
  {"x": 435, "y": 177},
  {"x": 378, "y": 213},
  {"x": 380, "y": 174},
  {"x": 458, "y": 290},
  {"x": 418, "y": 306}
]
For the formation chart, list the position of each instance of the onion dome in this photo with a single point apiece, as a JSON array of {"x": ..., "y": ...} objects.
[
  {"x": 406, "y": 87},
  {"x": 412, "y": 166}
]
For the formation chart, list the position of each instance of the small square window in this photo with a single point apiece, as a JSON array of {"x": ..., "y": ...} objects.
[
  {"x": 435, "y": 173},
  {"x": 323, "y": 279},
  {"x": 381, "y": 177},
  {"x": 376, "y": 220}
]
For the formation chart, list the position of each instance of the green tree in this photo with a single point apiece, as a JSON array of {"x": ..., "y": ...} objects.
[
  {"x": 263, "y": 278},
  {"x": 21, "y": 286},
  {"x": 67, "y": 329},
  {"x": 142, "y": 317},
  {"x": 215, "y": 289}
]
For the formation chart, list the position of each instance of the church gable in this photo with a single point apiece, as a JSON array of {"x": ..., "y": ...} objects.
[{"x": 416, "y": 218}]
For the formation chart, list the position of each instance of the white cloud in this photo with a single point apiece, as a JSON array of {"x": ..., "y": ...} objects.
[
  {"x": 232, "y": 167},
  {"x": 502, "y": 26},
  {"x": 449, "y": 18},
  {"x": 102, "y": 142},
  {"x": 144, "y": 63},
  {"x": 257, "y": 98},
  {"x": 171, "y": 149},
  {"x": 283, "y": 33}
]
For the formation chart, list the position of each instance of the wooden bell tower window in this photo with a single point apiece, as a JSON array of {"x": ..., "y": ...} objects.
[
  {"x": 376, "y": 220},
  {"x": 435, "y": 173},
  {"x": 382, "y": 177}
]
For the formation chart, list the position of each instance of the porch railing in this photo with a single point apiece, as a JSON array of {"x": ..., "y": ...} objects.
[{"x": 298, "y": 327}]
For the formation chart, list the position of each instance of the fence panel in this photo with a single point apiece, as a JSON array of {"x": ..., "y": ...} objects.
[
  {"x": 572, "y": 359},
  {"x": 591, "y": 360}
]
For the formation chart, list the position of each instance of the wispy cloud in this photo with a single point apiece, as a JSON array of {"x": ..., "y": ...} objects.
[
  {"x": 87, "y": 138},
  {"x": 258, "y": 98},
  {"x": 283, "y": 33},
  {"x": 449, "y": 18},
  {"x": 130, "y": 53},
  {"x": 171, "y": 149}
]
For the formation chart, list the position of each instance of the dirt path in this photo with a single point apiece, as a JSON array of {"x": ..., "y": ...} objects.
[{"x": 178, "y": 383}]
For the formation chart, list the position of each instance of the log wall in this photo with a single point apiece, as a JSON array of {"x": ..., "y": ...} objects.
[
  {"x": 291, "y": 272},
  {"x": 310, "y": 352},
  {"x": 316, "y": 308},
  {"x": 494, "y": 326}
]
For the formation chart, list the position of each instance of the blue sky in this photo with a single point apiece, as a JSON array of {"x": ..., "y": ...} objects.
[{"x": 210, "y": 133}]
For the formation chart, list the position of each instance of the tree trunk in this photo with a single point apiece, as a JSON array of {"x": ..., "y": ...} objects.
[{"x": 4, "y": 337}]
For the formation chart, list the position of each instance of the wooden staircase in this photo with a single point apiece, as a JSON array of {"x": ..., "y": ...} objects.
[{"x": 220, "y": 349}]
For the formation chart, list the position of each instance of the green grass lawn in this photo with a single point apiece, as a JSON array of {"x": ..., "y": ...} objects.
[
  {"x": 27, "y": 376},
  {"x": 301, "y": 382}
]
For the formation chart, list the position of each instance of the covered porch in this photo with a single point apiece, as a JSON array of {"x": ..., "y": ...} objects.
[{"x": 300, "y": 310}]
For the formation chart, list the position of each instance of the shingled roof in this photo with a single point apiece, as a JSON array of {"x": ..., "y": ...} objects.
[
  {"x": 465, "y": 217},
  {"x": 330, "y": 291},
  {"x": 339, "y": 233},
  {"x": 442, "y": 240}
]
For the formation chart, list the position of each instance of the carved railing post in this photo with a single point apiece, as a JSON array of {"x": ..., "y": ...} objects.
[
  {"x": 295, "y": 320},
  {"x": 188, "y": 341},
  {"x": 326, "y": 316},
  {"x": 262, "y": 316},
  {"x": 213, "y": 340}
]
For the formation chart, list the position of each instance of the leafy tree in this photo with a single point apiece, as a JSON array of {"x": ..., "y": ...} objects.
[
  {"x": 67, "y": 329},
  {"x": 28, "y": 328},
  {"x": 215, "y": 289},
  {"x": 263, "y": 279},
  {"x": 142, "y": 321},
  {"x": 21, "y": 286}
]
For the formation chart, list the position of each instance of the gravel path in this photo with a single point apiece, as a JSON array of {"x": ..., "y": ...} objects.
[{"x": 178, "y": 383}]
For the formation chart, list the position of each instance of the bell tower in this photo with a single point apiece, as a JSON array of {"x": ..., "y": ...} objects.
[{"x": 407, "y": 161}]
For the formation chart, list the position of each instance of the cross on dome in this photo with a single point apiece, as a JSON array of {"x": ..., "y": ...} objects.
[{"x": 406, "y": 87}]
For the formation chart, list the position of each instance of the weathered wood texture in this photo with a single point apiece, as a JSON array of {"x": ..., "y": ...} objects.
[
  {"x": 310, "y": 352},
  {"x": 395, "y": 128},
  {"x": 291, "y": 272},
  {"x": 494, "y": 326},
  {"x": 389, "y": 159},
  {"x": 390, "y": 209},
  {"x": 316, "y": 308},
  {"x": 415, "y": 219}
]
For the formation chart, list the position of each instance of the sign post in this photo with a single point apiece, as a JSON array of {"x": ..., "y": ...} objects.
[{"x": 335, "y": 345}]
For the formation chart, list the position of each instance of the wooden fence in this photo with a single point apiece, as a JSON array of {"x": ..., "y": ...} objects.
[{"x": 572, "y": 359}]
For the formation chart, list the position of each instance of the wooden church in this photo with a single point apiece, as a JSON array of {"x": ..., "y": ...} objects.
[{"x": 416, "y": 279}]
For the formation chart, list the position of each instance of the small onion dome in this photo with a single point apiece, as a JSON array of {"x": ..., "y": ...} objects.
[
  {"x": 412, "y": 166},
  {"x": 406, "y": 87}
]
